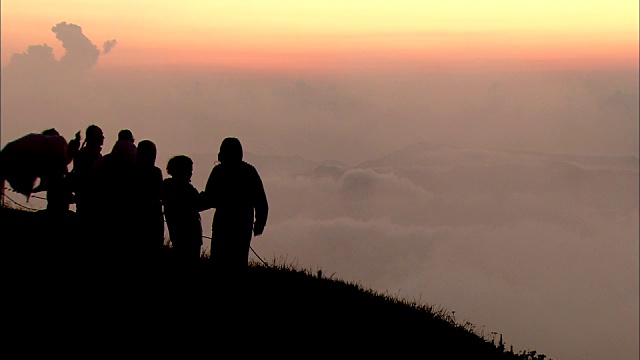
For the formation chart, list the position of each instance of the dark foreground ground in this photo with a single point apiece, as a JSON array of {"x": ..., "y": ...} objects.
[{"x": 61, "y": 299}]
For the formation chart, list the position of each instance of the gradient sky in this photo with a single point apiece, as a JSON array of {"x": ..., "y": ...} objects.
[
  {"x": 478, "y": 155},
  {"x": 329, "y": 34}
]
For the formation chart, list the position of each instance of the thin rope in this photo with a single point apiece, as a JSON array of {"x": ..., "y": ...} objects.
[
  {"x": 253, "y": 251},
  {"x": 16, "y": 203},
  {"x": 30, "y": 196},
  {"x": 256, "y": 254}
]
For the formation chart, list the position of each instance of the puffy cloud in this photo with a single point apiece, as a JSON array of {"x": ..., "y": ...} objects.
[
  {"x": 373, "y": 252},
  {"x": 40, "y": 92},
  {"x": 38, "y": 58},
  {"x": 80, "y": 53},
  {"x": 108, "y": 45},
  {"x": 38, "y": 63}
]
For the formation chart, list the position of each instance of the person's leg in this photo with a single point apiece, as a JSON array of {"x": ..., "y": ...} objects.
[
  {"x": 237, "y": 260},
  {"x": 241, "y": 247},
  {"x": 58, "y": 198},
  {"x": 216, "y": 251}
]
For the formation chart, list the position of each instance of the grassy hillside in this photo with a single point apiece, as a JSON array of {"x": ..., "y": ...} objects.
[{"x": 61, "y": 291}]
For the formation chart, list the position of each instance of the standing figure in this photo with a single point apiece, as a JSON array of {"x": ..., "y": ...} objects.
[
  {"x": 235, "y": 190},
  {"x": 58, "y": 192},
  {"x": 147, "y": 232},
  {"x": 84, "y": 159},
  {"x": 110, "y": 189},
  {"x": 182, "y": 205}
]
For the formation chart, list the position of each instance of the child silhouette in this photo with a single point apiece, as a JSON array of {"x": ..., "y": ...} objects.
[{"x": 182, "y": 205}]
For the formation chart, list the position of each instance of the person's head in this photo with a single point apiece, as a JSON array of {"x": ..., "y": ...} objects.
[
  {"x": 126, "y": 134},
  {"x": 125, "y": 151},
  {"x": 180, "y": 167},
  {"x": 230, "y": 150},
  {"x": 51, "y": 132},
  {"x": 147, "y": 152},
  {"x": 94, "y": 135}
]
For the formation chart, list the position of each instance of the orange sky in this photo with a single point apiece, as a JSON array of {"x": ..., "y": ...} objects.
[{"x": 332, "y": 34}]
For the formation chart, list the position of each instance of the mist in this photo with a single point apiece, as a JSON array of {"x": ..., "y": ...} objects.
[{"x": 508, "y": 196}]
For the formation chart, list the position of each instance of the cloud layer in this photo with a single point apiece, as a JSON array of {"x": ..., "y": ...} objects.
[{"x": 528, "y": 245}]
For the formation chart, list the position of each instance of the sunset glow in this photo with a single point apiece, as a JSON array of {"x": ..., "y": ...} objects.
[
  {"x": 480, "y": 156},
  {"x": 329, "y": 34}
]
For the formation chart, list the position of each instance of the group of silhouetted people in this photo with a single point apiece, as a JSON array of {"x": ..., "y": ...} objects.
[{"x": 122, "y": 201}]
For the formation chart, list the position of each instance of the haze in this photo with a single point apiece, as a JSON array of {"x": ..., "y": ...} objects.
[{"x": 500, "y": 185}]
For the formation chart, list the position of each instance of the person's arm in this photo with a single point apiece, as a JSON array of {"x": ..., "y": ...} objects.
[
  {"x": 261, "y": 207},
  {"x": 207, "y": 198},
  {"x": 157, "y": 191},
  {"x": 202, "y": 202},
  {"x": 73, "y": 147}
]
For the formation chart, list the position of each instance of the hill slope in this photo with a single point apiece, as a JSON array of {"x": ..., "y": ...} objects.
[{"x": 111, "y": 303}]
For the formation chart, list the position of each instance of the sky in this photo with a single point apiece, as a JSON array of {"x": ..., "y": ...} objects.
[
  {"x": 477, "y": 155},
  {"x": 327, "y": 34}
]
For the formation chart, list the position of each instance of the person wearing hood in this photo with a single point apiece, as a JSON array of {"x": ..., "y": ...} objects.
[
  {"x": 234, "y": 188},
  {"x": 147, "y": 235}
]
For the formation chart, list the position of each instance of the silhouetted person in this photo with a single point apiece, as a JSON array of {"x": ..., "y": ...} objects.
[
  {"x": 66, "y": 196},
  {"x": 148, "y": 222},
  {"x": 182, "y": 205},
  {"x": 235, "y": 190},
  {"x": 74, "y": 146},
  {"x": 109, "y": 193},
  {"x": 126, "y": 134},
  {"x": 58, "y": 192},
  {"x": 89, "y": 152}
]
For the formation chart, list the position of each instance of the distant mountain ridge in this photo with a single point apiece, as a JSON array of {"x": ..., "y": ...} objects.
[
  {"x": 443, "y": 157},
  {"x": 425, "y": 155}
]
